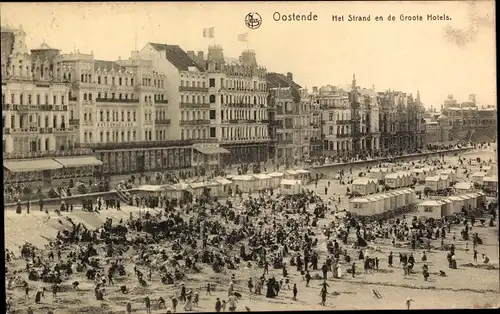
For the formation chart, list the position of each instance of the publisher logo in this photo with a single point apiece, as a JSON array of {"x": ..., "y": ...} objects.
[{"x": 253, "y": 20}]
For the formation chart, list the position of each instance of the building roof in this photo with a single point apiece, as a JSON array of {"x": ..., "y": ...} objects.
[
  {"x": 280, "y": 80},
  {"x": 44, "y": 46},
  {"x": 103, "y": 64},
  {"x": 178, "y": 57}
]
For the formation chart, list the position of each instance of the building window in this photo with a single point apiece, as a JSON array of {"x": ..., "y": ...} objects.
[
  {"x": 212, "y": 82},
  {"x": 29, "y": 99},
  {"x": 84, "y": 96},
  {"x": 212, "y": 132},
  {"x": 90, "y": 96},
  {"x": 134, "y": 116},
  {"x": 120, "y": 81},
  {"x": 212, "y": 114},
  {"x": 98, "y": 80},
  {"x": 112, "y": 81},
  {"x": 81, "y": 78},
  {"x": 212, "y": 99}
]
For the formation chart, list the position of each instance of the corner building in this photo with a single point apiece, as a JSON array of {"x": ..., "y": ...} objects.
[{"x": 237, "y": 93}]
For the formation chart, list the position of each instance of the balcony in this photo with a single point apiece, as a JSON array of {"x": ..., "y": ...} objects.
[
  {"x": 143, "y": 144},
  {"x": 39, "y": 154},
  {"x": 46, "y": 130},
  {"x": 343, "y": 122},
  {"x": 118, "y": 101},
  {"x": 64, "y": 130},
  {"x": 194, "y": 106},
  {"x": 238, "y": 121},
  {"x": 162, "y": 121},
  {"x": 343, "y": 135},
  {"x": 32, "y": 130},
  {"x": 164, "y": 101},
  {"x": 193, "y": 89},
  {"x": 194, "y": 122},
  {"x": 74, "y": 122}
]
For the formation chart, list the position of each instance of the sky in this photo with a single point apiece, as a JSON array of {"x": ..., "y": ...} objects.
[{"x": 437, "y": 58}]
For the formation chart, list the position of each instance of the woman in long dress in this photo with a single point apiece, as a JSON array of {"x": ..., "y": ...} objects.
[
  {"x": 189, "y": 304},
  {"x": 339, "y": 271}
]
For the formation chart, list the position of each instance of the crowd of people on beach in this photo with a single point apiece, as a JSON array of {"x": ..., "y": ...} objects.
[{"x": 279, "y": 239}]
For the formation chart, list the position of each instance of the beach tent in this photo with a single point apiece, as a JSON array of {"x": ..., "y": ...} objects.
[
  {"x": 276, "y": 178},
  {"x": 263, "y": 181},
  {"x": 456, "y": 206},
  {"x": 478, "y": 177},
  {"x": 290, "y": 187},
  {"x": 246, "y": 183},
  {"x": 490, "y": 184},
  {"x": 386, "y": 202},
  {"x": 361, "y": 207},
  {"x": 291, "y": 174},
  {"x": 199, "y": 188},
  {"x": 377, "y": 173},
  {"x": 463, "y": 187},
  {"x": 393, "y": 180},
  {"x": 430, "y": 209},
  {"x": 224, "y": 186},
  {"x": 451, "y": 173},
  {"x": 435, "y": 183},
  {"x": 364, "y": 186},
  {"x": 302, "y": 174}
]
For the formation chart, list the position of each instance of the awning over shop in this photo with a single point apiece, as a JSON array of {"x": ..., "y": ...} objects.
[
  {"x": 80, "y": 161},
  {"x": 36, "y": 164},
  {"x": 212, "y": 150}
]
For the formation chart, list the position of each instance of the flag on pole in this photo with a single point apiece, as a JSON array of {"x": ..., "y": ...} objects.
[
  {"x": 243, "y": 37},
  {"x": 209, "y": 32}
]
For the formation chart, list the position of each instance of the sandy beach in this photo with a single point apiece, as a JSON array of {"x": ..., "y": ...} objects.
[{"x": 465, "y": 287}]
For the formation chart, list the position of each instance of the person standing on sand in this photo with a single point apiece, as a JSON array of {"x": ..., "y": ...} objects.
[
  {"x": 174, "y": 303},
  {"x": 208, "y": 289},
  {"x": 353, "y": 270},
  {"x": 323, "y": 297},
  {"x": 129, "y": 307},
  {"x": 218, "y": 305},
  {"x": 308, "y": 278},
  {"x": 295, "y": 291},
  {"x": 408, "y": 303}
]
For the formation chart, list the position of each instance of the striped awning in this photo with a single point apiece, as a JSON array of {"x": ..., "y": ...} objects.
[
  {"x": 35, "y": 164},
  {"x": 80, "y": 161}
]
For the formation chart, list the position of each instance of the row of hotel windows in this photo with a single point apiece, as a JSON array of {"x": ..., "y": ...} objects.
[
  {"x": 87, "y": 78},
  {"x": 34, "y": 119},
  {"x": 228, "y": 99},
  {"x": 115, "y": 136},
  {"x": 123, "y": 96},
  {"x": 238, "y": 84},
  {"x": 195, "y": 115},
  {"x": 196, "y": 134},
  {"x": 193, "y": 84},
  {"x": 29, "y": 99}
]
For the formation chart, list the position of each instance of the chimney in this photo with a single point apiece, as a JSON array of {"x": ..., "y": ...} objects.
[
  {"x": 190, "y": 55},
  {"x": 290, "y": 76},
  {"x": 200, "y": 56}
]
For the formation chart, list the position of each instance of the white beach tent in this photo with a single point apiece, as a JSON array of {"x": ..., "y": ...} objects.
[
  {"x": 263, "y": 181},
  {"x": 277, "y": 177},
  {"x": 361, "y": 206},
  {"x": 478, "y": 177},
  {"x": 290, "y": 187},
  {"x": 463, "y": 187},
  {"x": 430, "y": 209},
  {"x": 364, "y": 186},
  {"x": 246, "y": 183},
  {"x": 224, "y": 186}
]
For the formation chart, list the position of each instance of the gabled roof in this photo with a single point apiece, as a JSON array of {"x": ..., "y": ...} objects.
[
  {"x": 280, "y": 80},
  {"x": 177, "y": 56},
  {"x": 44, "y": 46},
  {"x": 103, "y": 64}
]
